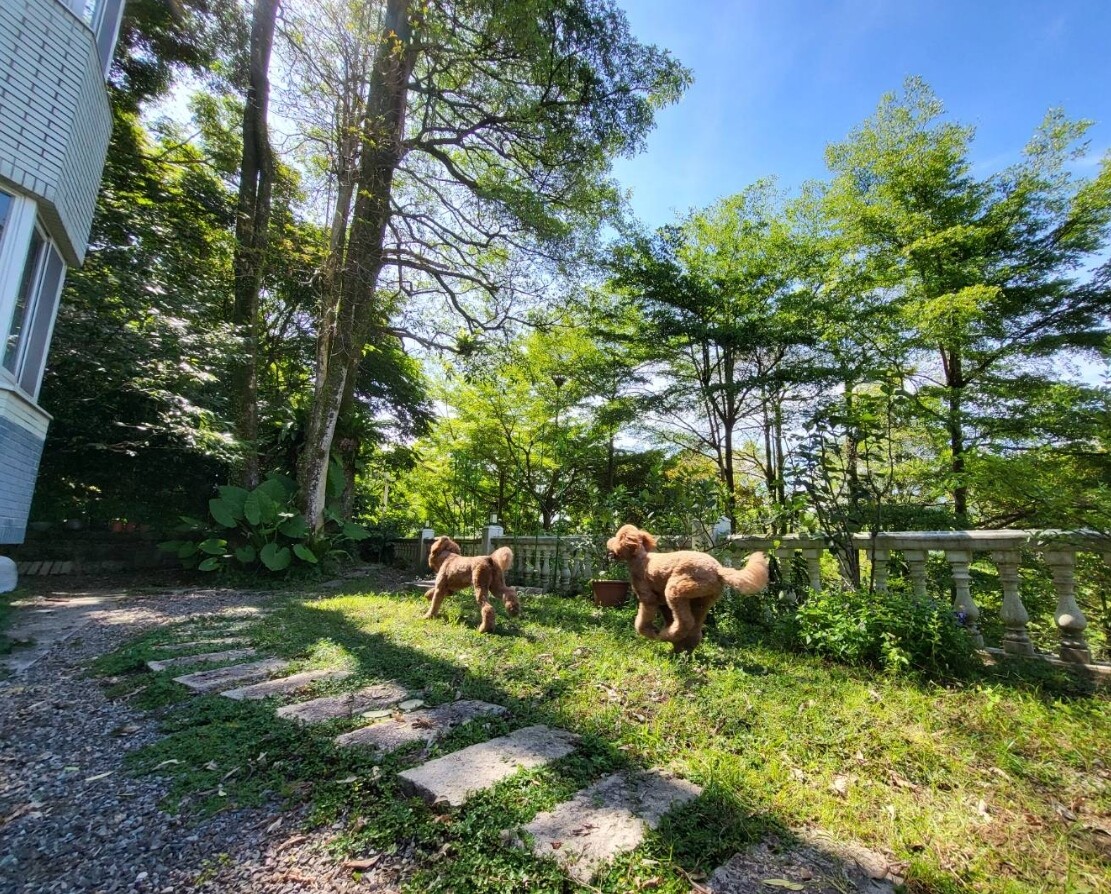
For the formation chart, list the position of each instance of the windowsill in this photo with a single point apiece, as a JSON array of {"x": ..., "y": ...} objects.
[{"x": 9, "y": 384}]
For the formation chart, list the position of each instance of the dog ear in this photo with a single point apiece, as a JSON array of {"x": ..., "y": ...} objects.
[{"x": 648, "y": 540}]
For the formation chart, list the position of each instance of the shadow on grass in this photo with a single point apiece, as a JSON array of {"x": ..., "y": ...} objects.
[{"x": 220, "y": 752}]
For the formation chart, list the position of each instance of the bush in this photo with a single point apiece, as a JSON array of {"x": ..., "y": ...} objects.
[
  {"x": 896, "y": 630},
  {"x": 260, "y": 531}
]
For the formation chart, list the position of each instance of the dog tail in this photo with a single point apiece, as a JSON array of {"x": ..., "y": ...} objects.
[
  {"x": 503, "y": 557},
  {"x": 750, "y": 579}
]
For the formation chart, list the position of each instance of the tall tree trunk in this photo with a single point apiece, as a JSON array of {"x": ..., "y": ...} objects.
[
  {"x": 252, "y": 224},
  {"x": 341, "y": 343},
  {"x": 954, "y": 379}
]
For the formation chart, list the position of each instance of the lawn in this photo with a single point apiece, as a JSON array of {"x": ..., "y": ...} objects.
[{"x": 997, "y": 783}]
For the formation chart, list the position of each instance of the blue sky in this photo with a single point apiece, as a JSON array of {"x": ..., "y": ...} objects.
[{"x": 776, "y": 80}]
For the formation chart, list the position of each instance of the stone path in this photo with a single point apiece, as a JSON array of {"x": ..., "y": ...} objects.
[
  {"x": 284, "y": 685},
  {"x": 583, "y": 834},
  {"x": 204, "y": 658},
  {"x": 419, "y": 726},
  {"x": 226, "y": 677},
  {"x": 334, "y": 707},
  {"x": 455, "y": 777},
  {"x": 608, "y": 818},
  {"x": 43, "y": 623}
]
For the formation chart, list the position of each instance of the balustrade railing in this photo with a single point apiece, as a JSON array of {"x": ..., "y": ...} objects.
[{"x": 1058, "y": 550}]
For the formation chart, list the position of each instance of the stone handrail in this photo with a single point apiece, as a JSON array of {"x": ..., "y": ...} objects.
[
  {"x": 1058, "y": 550},
  {"x": 550, "y": 562}
]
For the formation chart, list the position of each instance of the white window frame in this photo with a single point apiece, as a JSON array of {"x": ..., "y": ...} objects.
[{"x": 15, "y": 241}]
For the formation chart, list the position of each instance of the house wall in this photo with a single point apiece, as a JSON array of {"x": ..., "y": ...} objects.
[
  {"x": 22, "y": 434},
  {"x": 54, "y": 116}
]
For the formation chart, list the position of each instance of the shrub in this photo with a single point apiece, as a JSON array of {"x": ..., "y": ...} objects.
[
  {"x": 895, "y": 630},
  {"x": 260, "y": 530}
]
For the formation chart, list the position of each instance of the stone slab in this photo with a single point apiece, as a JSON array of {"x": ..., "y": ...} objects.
[
  {"x": 419, "y": 726},
  {"x": 283, "y": 685},
  {"x": 203, "y": 658},
  {"x": 226, "y": 677},
  {"x": 817, "y": 861},
  {"x": 197, "y": 643},
  {"x": 347, "y": 704},
  {"x": 452, "y": 779},
  {"x": 43, "y": 623},
  {"x": 608, "y": 818}
]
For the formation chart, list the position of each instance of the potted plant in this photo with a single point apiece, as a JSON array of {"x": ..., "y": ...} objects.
[{"x": 610, "y": 585}]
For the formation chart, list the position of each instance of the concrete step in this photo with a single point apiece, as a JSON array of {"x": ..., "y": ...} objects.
[
  {"x": 816, "y": 860},
  {"x": 347, "y": 704},
  {"x": 193, "y": 644},
  {"x": 608, "y": 818},
  {"x": 203, "y": 658},
  {"x": 226, "y": 677},
  {"x": 284, "y": 685},
  {"x": 419, "y": 726},
  {"x": 455, "y": 777}
]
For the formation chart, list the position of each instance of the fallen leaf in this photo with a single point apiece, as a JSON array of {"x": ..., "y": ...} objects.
[
  {"x": 784, "y": 883},
  {"x": 805, "y": 874},
  {"x": 900, "y": 781},
  {"x": 556, "y": 845},
  {"x": 167, "y": 763},
  {"x": 840, "y": 786},
  {"x": 650, "y": 883},
  {"x": 274, "y": 826},
  {"x": 362, "y": 865},
  {"x": 289, "y": 842},
  {"x": 98, "y": 776},
  {"x": 982, "y": 809},
  {"x": 347, "y": 780},
  {"x": 212, "y": 765}
]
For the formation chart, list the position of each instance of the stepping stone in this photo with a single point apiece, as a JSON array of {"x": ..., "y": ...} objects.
[
  {"x": 347, "y": 704},
  {"x": 455, "y": 777},
  {"x": 192, "y": 644},
  {"x": 818, "y": 861},
  {"x": 420, "y": 726},
  {"x": 284, "y": 685},
  {"x": 225, "y": 677},
  {"x": 606, "y": 819},
  {"x": 203, "y": 658}
]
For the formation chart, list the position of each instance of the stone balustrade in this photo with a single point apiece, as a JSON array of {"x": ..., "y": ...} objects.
[
  {"x": 560, "y": 564},
  {"x": 1058, "y": 550}
]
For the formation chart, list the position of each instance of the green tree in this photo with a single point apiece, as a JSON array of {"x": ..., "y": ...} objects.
[{"x": 987, "y": 273}]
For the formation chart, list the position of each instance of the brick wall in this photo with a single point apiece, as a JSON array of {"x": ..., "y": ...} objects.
[
  {"x": 20, "y": 449},
  {"x": 54, "y": 116}
]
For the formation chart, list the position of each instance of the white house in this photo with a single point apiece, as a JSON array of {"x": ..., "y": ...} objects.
[{"x": 54, "y": 130}]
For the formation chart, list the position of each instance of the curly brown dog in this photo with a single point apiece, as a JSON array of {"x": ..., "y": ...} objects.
[
  {"x": 682, "y": 585},
  {"x": 486, "y": 574}
]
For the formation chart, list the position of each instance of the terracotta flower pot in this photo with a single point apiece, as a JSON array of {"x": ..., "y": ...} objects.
[{"x": 610, "y": 592}]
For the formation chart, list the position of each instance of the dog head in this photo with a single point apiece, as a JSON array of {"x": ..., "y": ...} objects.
[
  {"x": 628, "y": 541},
  {"x": 441, "y": 548}
]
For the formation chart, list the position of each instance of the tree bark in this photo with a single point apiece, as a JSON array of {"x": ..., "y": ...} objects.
[
  {"x": 341, "y": 343},
  {"x": 954, "y": 374},
  {"x": 252, "y": 224}
]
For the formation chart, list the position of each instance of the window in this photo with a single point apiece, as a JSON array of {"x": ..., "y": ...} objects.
[
  {"x": 24, "y": 302},
  {"x": 103, "y": 17},
  {"x": 31, "y": 276}
]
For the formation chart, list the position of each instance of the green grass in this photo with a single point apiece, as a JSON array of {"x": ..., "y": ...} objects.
[{"x": 998, "y": 783}]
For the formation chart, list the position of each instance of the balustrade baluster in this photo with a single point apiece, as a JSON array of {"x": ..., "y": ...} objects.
[
  {"x": 1070, "y": 619},
  {"x": 1013, "y": 612},
  {"x": 544, "y": 568},
  {"x": 916, "y": 566},
  {"x": 959, "y": 562},
  {"x": 879, "y": 559},
  {"x": 813, "y": 559}
]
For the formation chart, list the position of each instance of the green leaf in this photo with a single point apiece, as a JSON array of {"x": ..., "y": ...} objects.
[
  {"x": 335, "y": 479},
  {"x": 295, "y": 527},
  {"x": 209, "y": 564},
  {"x": 170, "y": 546},
  {"x": 187, "y": 550},
  {"x": 213, "y": 546},
  {"x": 277, "y": 489},
  {"x": 260, "y": 508},
  {"x": 353, "y": 531},
  {"x": 222, "y": 512},
  {"x": 304, "y": 553},
  {"x": 245, "y": 555},
  {"x": 234, "y": 498},
  {"x": 275, "y": 558}
]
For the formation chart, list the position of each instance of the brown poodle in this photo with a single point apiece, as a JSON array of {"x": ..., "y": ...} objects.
[
  {"x": 682, "y": 585},
  {"x": 485, "y": 573}
]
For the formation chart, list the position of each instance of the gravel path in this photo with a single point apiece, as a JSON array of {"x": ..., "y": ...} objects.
[{"x": 72, "y": 819}]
